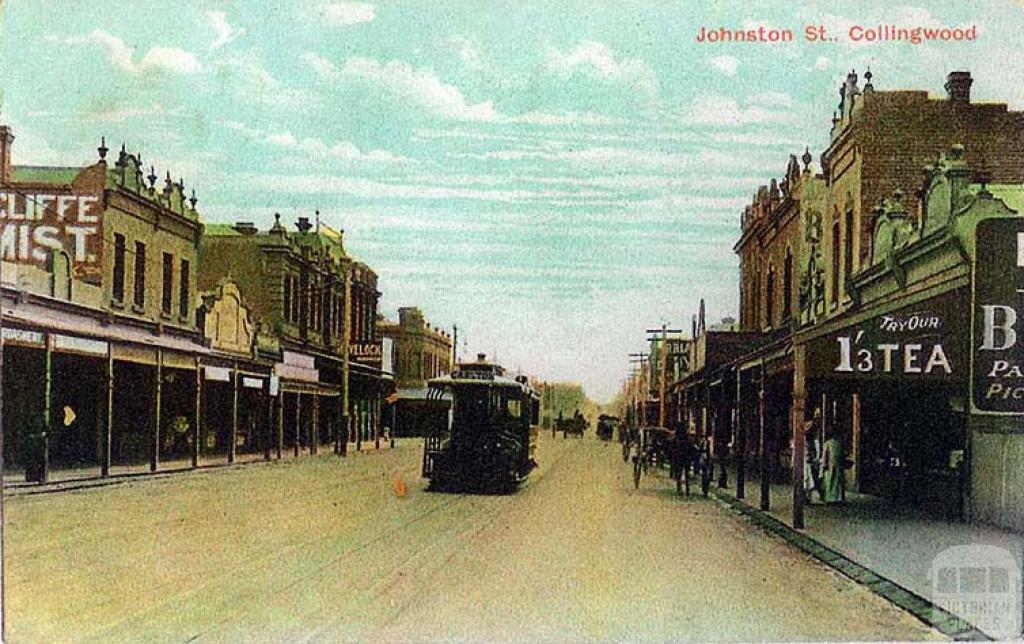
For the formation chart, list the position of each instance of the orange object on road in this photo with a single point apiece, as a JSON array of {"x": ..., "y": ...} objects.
[{"x": 399, "y": 486}]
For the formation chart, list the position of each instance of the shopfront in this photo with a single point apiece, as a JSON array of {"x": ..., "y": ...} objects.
[{"x": 893, "y": 388}]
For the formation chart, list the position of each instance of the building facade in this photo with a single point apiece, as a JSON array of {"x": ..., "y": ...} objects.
[
  {"x": 99, "y": 297},
  {"x": 420, "y": 352}
]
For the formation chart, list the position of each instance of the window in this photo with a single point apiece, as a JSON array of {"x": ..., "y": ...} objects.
[
  {"x": 327, "y": 304},
  {"x": 848, "y": 256},
  {"x": 787, "y": 286},
  {"x": 769, "y": 309},
  {"x": 167, "y": 296},
  {"x": 293, "y": 301},
  {"x": 288, "y": 298},
  {"x": 140, "y": 274},
  {"x": 756, "y": 308},
  {"x": 183, "y": 298},
  {"x": 835, "y": 261},
  {"x": 119, "y": 249},
  {"x": 303, "y": 297}
]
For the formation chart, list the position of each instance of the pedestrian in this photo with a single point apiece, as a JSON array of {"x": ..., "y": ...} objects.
[
  {"x": 812, "y": 458},
  {"x": 833, "y": 465}
]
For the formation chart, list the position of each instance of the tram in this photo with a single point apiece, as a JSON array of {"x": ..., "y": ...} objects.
[{"x": 489, "y": 441}]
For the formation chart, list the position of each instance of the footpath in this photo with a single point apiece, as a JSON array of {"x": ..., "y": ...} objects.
[{"x": 891, "y": 549}]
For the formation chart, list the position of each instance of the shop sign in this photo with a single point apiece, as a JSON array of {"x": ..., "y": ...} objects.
[
  {"x": 79, "y": 345},
  {"x": 368, "y": 353},
  {"x": 997, "y": 378},
  {"x": 274, "y": 385},
  {"x": 299, "y": 360},
  {"x": 217, "y": 374},
  {"x": 34, "y": 224},
  {"x": 24, "y": 337},
  {"x": 920, "y": 342},
  {"x": 252, "y": 383}
]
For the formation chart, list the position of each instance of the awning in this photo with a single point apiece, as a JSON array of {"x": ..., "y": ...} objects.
[{"x": 36, "y": 315}]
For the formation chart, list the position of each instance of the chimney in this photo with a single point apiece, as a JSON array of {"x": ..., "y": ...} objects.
[
  {"x": 245, "y": 227},
  {"x": 958, "y": 86},
  {"x": 303, "y": 224},
  {"x": 6, "y": 141}
]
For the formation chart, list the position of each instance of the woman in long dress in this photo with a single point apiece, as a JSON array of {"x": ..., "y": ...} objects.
[
  {"x": 833, "y": 465},
  {"x": 812, "y": 462}
]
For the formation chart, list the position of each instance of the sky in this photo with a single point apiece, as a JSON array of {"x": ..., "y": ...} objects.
[{"x": 554, "y": 178}]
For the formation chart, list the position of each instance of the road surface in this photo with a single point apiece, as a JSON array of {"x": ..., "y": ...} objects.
[{"x": 322, "y": 549}]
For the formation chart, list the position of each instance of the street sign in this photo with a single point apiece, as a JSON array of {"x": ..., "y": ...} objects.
[{"x": 997, "y": 339}]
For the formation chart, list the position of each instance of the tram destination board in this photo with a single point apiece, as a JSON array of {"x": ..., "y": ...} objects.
[{"x": 997, "y": 377}]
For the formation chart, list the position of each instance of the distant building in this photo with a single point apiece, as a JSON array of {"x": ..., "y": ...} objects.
[{"x": 420, "y": 352}]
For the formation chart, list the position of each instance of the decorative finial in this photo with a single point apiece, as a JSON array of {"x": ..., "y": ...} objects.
[
  {"x": 152, "y": 177},
  {"x": 806, "y": 158},
  {"x": 103, "y": 149},
  {"x": 192, "y": 200},
  {"x": 181, "y": 183}
]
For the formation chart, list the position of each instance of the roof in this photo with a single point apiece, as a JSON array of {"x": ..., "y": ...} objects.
[
  {"x": 221, "y": 230},
  {"x": 44, "y": 174}
]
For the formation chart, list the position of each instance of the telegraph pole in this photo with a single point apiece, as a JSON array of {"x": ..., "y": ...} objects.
[
  {"x": 663, "y": 366},
  {"x": 639, "y": 359}
]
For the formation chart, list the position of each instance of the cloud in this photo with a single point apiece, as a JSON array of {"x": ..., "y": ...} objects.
[
  {"x": 317, "y": 148},
  {"x": 419, "y": 87},
  {"x": 715, "y": 110},
  {"x": 364, "y": 188},
  {"x": 725, "y": 64},
  {"x": 597, "y": 61},
  {"x": 343, "y": 14},
  {"x": 118, "y": 113},
  {"x": 771, "y": 99},
  {"x": 157, "y": 59},
  {"x": 170, "y": 59},
  {"x": 225, "y": 32},
  {"x": 314, "y": 147},
  {"x": 821, "y": 63},
  {"x": 468, "y": 52},
  {"x": 563, "y": 118}
]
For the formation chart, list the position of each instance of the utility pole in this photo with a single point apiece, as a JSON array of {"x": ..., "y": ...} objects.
[
  {"x": 640, "y": 385},
  {"x": 662, "y": 366},
  {"x": 455, "y": 345}
]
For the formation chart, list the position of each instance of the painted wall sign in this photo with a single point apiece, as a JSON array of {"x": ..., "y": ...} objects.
[
  {"x": 32, "y": 225},
  {"x": 252, "y": 383},
  {"x": 997, "y": 378},
  {"x": 925, "y": 341}
]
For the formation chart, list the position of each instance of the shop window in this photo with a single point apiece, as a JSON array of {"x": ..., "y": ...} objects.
[
  {"x": 167, "y": 296},
  {"x": 183, "y": 293},
  {"x": 118, "y": 285},
  {"x": 140, "y": 274}
]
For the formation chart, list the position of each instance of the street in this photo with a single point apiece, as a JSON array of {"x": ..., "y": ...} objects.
[{"x": 323, "y": 549}]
